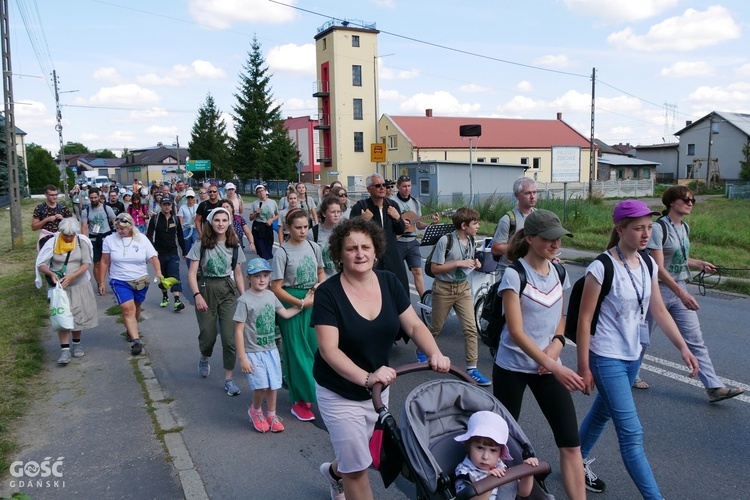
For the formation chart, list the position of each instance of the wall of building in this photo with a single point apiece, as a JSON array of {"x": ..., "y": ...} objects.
[{"x": 727, "y": 143}]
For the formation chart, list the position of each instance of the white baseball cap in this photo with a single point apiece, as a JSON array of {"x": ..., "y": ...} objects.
[
  {"x": 229, "y": 185},
  {"x": 490, "y": 425}
]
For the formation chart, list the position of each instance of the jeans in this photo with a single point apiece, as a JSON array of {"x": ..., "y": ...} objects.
[
  {"x": 614, "y": 401},
  {"x": 191, "y": 236}
]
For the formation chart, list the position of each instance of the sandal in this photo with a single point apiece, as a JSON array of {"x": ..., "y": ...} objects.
[
  {"x": 721, "y": 393},
  {"x": 639, "y": 383}
]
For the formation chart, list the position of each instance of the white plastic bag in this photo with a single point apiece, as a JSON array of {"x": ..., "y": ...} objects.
[{"x": 59, "y": 312}]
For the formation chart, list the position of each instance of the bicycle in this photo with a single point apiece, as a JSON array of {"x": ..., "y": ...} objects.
[{"x": 481, "y": 280}]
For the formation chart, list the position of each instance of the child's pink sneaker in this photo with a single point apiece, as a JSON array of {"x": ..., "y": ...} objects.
[
  {"x": 275, "y": 423},
  {"x": 301, "y": 410},
  {"x": 258, "y": 420}
]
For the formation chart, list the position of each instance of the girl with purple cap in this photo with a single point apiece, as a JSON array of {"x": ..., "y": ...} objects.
[
  {"x": 610, "y": 359},
  {"x": 486, "y": 449}
]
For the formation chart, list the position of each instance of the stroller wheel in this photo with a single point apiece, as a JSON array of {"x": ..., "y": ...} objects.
[{"x": 426, "y": 312}]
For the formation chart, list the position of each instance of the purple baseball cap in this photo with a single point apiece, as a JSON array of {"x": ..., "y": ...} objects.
[{"x": 632, "y": 208}]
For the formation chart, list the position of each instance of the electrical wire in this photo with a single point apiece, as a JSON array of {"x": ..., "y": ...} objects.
[{"x": 32, "y": 21}]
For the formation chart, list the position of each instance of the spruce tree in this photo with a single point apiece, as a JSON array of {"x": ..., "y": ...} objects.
[
  {"x": 262, "y": 147},
  {"x": 209, "y": 140}
]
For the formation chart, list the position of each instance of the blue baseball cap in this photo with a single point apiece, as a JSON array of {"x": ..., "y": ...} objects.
[{"x": 258, "y": 265}]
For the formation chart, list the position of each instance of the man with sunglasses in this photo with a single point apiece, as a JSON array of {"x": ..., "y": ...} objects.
[
  {"x": 205, "y": 207},
  {"x": 407, "y": 243},
  {"x": 386, "y": 214}
]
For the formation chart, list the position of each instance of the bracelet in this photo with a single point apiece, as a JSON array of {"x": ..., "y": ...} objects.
[
  {"x": 560, "y": 338},
  {"x": 302, "y": 304},
  {"x": 196, "y": 294},
  {"x": 367, "y": 382}
]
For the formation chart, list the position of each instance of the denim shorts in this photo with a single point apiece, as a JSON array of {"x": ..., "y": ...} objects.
[{"x": 266, "y": 370}]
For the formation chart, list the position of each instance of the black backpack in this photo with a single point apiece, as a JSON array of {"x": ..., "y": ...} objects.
[
  {"x": 448, "y": 246},
  {"x": 493, "y": 318},
  {"x": 574, "y": 303}
]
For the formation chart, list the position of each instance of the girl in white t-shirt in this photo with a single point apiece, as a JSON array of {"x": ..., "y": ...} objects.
[
  {"x": 610, "y": 359},
  {"x": 531, "y": 341}
]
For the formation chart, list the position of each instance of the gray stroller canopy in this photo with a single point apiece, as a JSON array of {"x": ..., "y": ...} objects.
[{"x": 437, "y": 411}]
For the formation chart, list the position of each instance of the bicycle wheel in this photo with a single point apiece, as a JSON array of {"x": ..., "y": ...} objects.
[
  {"x": 478, "y": 308},
  {"x": 426, "y": 313}
]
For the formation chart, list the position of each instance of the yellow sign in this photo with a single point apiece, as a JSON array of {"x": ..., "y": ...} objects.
[{"x": 377, "y": 152}]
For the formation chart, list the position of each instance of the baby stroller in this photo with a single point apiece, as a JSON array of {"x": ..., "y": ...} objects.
[{"x": 423, "y": 448}]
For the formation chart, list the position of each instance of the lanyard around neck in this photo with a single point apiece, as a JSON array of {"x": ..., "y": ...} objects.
[
  {"x": 642, "y": 294},
  {"x": 680, "y": 238}
]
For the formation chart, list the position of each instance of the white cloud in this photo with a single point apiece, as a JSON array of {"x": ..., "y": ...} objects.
[
  {"x": 108, "y": 75},
  {"x": 390, "y": 95},
  {"x": 292, "y": 58},
  {"x": 148, "y": 114},
  {"x": 553, "y": 61},
  {"x": 473, "y": 88},
  {"x": 692, "y": 30},
  {"x": 222, "y": 14},
  {"x": 121, "y": 137},
  {"x": 297, "y": 104},
  {"x": 617, "y": 11},
  {"x": 524, "y": 86},
  {"x": 682, "y": 69},
  {"x": 386, "y": 73},
  {"x": 89, "y": 137},
  {"x": 29, "y": 109},
  {"x": 179, "y": 74},
  {"x": 128, "y": 94},
  {"x": 159, "y": 131},
  {"x": 735, "y": 95},
  {"x": 744, "y": 70},
  {"x": 441, "y": 102},
  {"x": 571, "y": 101}
]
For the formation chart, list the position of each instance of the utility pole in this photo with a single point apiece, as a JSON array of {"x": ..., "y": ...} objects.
[
  {"x": 710, "y": 141},
  {"x": 59, "y": 128},
  {"x": 592, "y": 158},
  {"x": 14, "y": 184}
]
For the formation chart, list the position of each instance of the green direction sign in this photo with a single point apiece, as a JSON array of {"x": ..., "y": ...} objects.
[
  {"x": 134, "y": 169},
  {"x": 198, "y": 165}
]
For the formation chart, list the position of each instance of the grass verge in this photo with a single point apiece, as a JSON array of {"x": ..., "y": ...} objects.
[{"x": 21, "y": 332}]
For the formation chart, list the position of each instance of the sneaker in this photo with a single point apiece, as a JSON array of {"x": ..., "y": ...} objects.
[
  {"x": 203, "y": 367},
  {"x": 337, "y": 487},
  {"x": 77, "y": 351},
  {"x": 721, "y": 393},
  {"x": 478, "y": 377},
  {"x": 178, "y": 306},
  {"x": 136, "y": 348},
  {"x": 258, "y": 420},
  {"x": 421, "y": 357},
  {"x": 164, "y": 301},
  {"x": 231, "y": 388},
  {"x": 593, "y": 483},
  {"x": 275, "y": 423},
  {"x": 301, "y": 410},
  {"x": 64, "y": 358}
]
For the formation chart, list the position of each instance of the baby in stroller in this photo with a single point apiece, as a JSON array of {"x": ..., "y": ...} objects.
[{"x": 486, "y": 450}]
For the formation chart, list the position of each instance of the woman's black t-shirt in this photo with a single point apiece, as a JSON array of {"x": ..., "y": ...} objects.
[{"x": 367, "y": 343}]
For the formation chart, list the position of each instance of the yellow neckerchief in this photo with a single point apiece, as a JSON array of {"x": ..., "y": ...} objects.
[{"x": 62, "y": 247}]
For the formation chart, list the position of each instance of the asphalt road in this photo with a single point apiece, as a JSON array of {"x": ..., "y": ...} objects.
[{"x": 696, "y": 449}]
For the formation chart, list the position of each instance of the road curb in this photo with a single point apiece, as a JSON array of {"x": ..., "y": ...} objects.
[{"x": 168, "y": 426}]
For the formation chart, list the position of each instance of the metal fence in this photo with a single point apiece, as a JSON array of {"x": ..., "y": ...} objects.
[
  {"x": 556, "y": 191},
  {"x": 738, "y": 190}
]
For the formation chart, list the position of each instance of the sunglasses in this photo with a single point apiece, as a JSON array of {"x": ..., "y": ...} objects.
[
  {"x": 213, "y": 191},
  {"x": 403, "y": 178},
  {"x": 201, "y": 192},
  {"x": 688, "y": 199},
  {"x": 378, "y": 186},
  {"x": 343, "y": 195}
]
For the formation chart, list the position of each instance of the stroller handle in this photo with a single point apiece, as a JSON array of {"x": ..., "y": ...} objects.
[{"x": 377, "y": 388}]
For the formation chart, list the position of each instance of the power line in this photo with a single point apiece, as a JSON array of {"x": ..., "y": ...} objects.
[{"x": 32, "y": 21}]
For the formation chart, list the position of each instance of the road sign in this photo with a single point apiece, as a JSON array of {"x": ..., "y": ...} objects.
[
  {"x": 198, "y": 165},
  {"x": 333, "y": 173},
  {"x": 134, "y": 169},
  {"x": 377, "y": 152},
  {"x": 164, "y": 171}
]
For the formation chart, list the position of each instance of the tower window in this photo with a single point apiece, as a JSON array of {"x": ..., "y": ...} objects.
[
  {"x": 355, "y": 40},
  {"x": 357, "y": 109},
  {"x": 357, "y": 75},
  {"x": 359, "y": 142}
]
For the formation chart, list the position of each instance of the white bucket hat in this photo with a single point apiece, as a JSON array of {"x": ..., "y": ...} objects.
[{"x": 488, "y": 425}]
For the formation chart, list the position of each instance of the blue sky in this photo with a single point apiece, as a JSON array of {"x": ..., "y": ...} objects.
[{"x": 140, "y": 70}]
